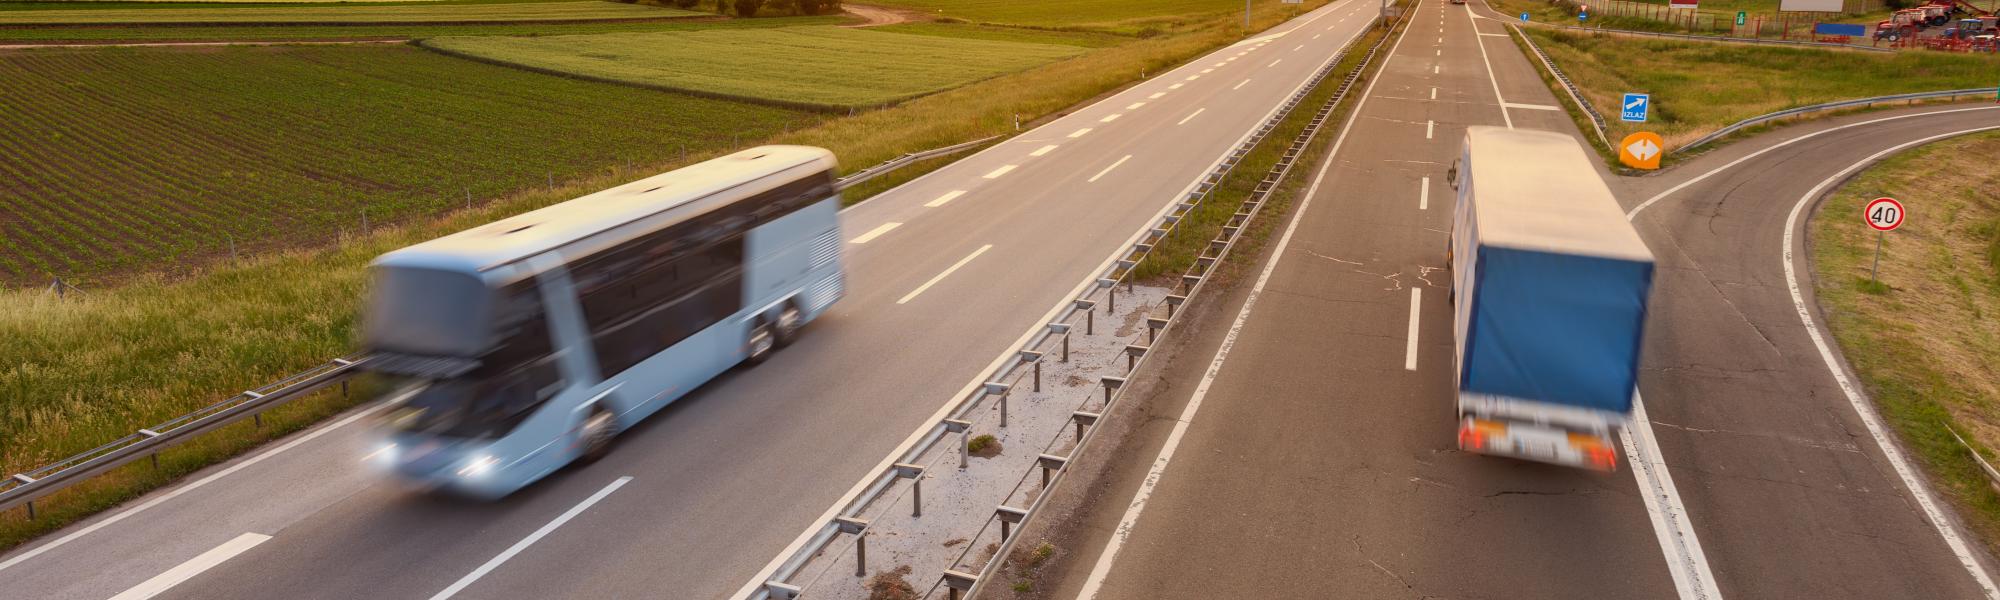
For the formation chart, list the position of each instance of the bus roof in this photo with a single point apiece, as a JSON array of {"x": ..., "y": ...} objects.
[
  {"x": 481, "y": 248},
  {"x": 1537, "y": 190}
]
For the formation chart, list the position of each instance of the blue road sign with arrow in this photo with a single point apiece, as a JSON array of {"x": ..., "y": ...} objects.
[{"x": 1635, "y": 107}]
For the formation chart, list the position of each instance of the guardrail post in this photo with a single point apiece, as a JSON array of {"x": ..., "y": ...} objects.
[
  {"x": 31, "y": 510},
  {"x": 1111, "y": 383},
  {"x": 1173, "y": 302},
  {"x": 1082, "y": 419},
  {"x": 964, "y": 429},
  {"x": 148, "y": 433},
  {"x": 914, "y": 473},
  {"x": 1034, "y": 357},
  {"x": 1089, "y": 308},
  {"x": 1049, "y": 464},
  {"x": 780, "y": 590},
  {"x": 1062, "y": 329},
  {"x": 1110, "y": 295},
  {"x": 1008, "y": 516},
  {"x": 859, "y": 528},
  {"x": 1153, "y": 327},
  {"x": 1132, "y": 354},
  {"x": 958, "y": 583},
  {"x": 1000, "y": 389}
]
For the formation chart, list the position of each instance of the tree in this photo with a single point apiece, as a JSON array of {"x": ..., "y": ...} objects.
[
  {"x": 686, "y": 3},
  {"x": 748, "y": 8},
  {"x": 817, "y": 7}
]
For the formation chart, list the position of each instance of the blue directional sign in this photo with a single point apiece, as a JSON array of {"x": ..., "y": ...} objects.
[
  {"x": 1524, "y": 17},
  {"x": 1635, "y": 107}
]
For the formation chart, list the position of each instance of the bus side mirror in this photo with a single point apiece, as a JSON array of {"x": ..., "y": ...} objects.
[{"x": 1451, "y": 175}]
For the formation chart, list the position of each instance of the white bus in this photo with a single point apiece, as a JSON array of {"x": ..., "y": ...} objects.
[{"x": 522, "y": 345}]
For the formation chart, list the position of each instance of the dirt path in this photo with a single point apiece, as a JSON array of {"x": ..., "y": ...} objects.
[{"x": 877, "y": 16}]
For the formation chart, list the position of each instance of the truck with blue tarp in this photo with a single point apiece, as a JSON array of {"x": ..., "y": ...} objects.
[{"x": 1549, "y": 290}]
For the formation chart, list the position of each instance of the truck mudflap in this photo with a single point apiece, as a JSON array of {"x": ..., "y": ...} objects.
[{"x": 1539, "y": 442}]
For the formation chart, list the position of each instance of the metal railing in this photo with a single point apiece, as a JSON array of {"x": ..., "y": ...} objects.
[
  {"x": 1575, "y": 95},
  {"x": 1857, "y": 103},
  {"x": 1054, "y": 339},
  {"x": 1711, "y": 38},
  {"x": 23, "y": 488}
]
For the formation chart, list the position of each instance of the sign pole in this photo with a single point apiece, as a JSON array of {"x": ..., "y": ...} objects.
[{"x": 1872, "y": 269}]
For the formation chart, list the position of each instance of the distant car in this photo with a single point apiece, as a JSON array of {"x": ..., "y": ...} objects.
[{"x": 1458, "y": 1}]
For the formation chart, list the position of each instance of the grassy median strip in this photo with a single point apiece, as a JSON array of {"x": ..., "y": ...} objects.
[
  {"x": 1699, "y": 87},
  {"x": 1924, "y": 339},
  {"x": 80, "y": 371}
]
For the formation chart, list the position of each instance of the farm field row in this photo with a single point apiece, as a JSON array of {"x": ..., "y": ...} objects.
[
  {"x": 1125, "y": 16},
  {"x": 400, "y": 13},
  {"x": 803, "y": 66},
  {"x": 310, "y": 32},
  {"x": 124, "y": 158},
  {"x": 1700, "y": 87}
]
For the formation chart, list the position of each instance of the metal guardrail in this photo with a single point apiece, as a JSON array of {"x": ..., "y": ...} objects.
[
  {"x": 1596, "y": 118},
  {"x": 23, "y": 488},
  {"x": 857, "y": 177},
  {"x": 1714, "y": 38},
  {"x": 1055, "y": 337},
  {"x": 1858, "y": 103}
]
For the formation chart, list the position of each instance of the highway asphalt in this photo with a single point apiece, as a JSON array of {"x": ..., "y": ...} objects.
[
  {"x": 1319, "y": 463},
  {"x": 720, "y": 482}
]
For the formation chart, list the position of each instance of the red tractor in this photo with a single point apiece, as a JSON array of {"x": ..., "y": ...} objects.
[{"x": 1903, "y": 24}]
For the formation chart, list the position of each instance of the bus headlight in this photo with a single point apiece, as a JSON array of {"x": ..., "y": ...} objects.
[
  {"x": 385, "y": 454},
  {"x": 478, "y": 466}
]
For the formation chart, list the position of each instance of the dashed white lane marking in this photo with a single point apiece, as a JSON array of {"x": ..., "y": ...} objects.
[
  {"x": 1410, "y": 348},
  {"x": 1434, "y": 69},
  {"x": 1079, "y": 133},
  {"x": 1042, "y": 150},
  {"x": 1000, "y": 171},
  {"x": 1532, "y": 106},
  {"x": 1109, "y": 118},
  {"x": 1429, "y": 126},
  {"x": 1240, "y": 85},
  {"x": 1176, "y": 86},
  {"x": 1424, "y": 196},
  {"x": 1298, "y": 47},
  {"x": 1134, "y": 105},
  {"x": 876, "y": 232},
  {"x": 1316, "y": 36},
  {"x": 1190, "y": 116},
  {"x": 194, "y": 566},
  {"x": 954, "y": 194},
  {"x": 1862, "y": 406},
  {"x": 509, "y": 553},
  {"x": 1156, "y": 95},
  {"x": 1274, "y": 63},
  {"x": 1208, "y": 70},
  {"x": 940, "y": 277},
  {"x": 1434, "y": 93},
  {"x": 1193, "y": 77},
  {"x": 1100, "y": 174},
  {"x": 1439, "y": 52}
]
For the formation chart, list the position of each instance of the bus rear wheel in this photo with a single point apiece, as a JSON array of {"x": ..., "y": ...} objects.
[
  {"x": 598, "y": 431},
  {"x": 763, "y": 342},
  {"x": 790, "y": 321}
]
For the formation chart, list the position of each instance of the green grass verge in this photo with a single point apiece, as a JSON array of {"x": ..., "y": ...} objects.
[
  {"x": 116, "y": 159},
  {"x": 1699, "y": 87},
  {"x": 1086, "y": 39},
  {"x": 811, "y": 67},
  {"x": 1924, "y": 342},
  {"x": 444, "y": 13},
  {"x": 57, "y": 398},
  {"x": 307, "y": 32},
  {"x": 1120, "y": 16}
]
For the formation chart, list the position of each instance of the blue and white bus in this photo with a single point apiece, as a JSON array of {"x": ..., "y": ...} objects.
[{"x": 522, "y": 345}]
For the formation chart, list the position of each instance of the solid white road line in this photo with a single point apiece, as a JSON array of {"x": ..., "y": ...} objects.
[
  {"x": 1424, "y": 195},
  {"x": 1079, "y": 133},
  {"x": 194, "y": 566},
  {"x": 1042, "y": 150},
  {"x": 509, "y": 553},
  {"x": 1134, "y": 105},
  {"x": 1191, "y": 116},
  {"x": 1240, "y": 85},
  {"x": 951, "y": 195},
  {"x": 1494, "y": 34},
  {"x": 1489, "y": 73},
  {"x": 1429, "y": 128},
  {"x": 1862, "y": 406},
  {"x": 1000, "y": 171},
  {"x": 1532, "y": 106},
  {"x": 1110, "y": 117},
  {"x": 947, "y": 273},
  {"x": 1095, "y": 580},
  {"x": 1094, "y": 178},
  {"x": 1410, "y": 347},
  {"x": 309, "y": 436},
  {"x": 1686, "y": 563},
  {"x": 879, "y": 230}
]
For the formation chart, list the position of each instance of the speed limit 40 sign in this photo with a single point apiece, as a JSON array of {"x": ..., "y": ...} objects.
[{"x": 1884, "y": 214}]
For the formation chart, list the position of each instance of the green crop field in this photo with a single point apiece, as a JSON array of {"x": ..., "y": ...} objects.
[
  {"x": 1114, "y": 15},
  {"x": 808, "y": 66},
  {"x": 116, "y": 158},
  {"x": 307, "y": 32},
  {"x": 404, "y": 13},
  {"x": 1701, "y": 87}
]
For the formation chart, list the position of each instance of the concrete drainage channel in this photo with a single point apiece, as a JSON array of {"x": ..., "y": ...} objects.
[{"x": 944, "y": 514}]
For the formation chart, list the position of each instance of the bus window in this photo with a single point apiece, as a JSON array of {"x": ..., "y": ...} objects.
[{"x": 512, "y": 379}]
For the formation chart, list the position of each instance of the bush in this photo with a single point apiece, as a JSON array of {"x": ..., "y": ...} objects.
[
  {"x": 748, "y": 8},
  {"x": 817, "y": 7},
  {"x": 685, "y": 3}
]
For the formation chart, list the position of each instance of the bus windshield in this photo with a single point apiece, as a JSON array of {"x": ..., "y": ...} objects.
[{"x": 469, "y": 406}]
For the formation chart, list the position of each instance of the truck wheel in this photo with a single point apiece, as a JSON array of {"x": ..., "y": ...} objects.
[{"x": 790, "y": 321}]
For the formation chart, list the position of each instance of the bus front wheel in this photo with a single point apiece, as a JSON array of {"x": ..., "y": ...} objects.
[
  {"x": 598, "y": 431},
  {"x": 790, "y": 321},
  {"x": 763, "y": 342}
]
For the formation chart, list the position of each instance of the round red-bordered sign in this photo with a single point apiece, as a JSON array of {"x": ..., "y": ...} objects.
[{"x": 1884, "y": 214}]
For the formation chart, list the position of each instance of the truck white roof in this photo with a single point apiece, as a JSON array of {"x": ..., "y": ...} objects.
[{"x": 1537, "y": 190}]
